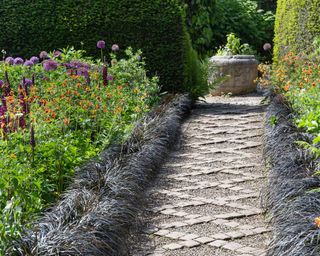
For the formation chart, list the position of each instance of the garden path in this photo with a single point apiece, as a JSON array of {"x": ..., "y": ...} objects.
[{"x": 206, "y": 199}]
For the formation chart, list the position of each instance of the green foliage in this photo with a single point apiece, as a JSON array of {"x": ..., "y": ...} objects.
[
  {"x": 242, "y": 17},
  {"x": 234, "y": 47},
  {"x": 296, "y": 26},
  {"x": 297, "y": 78},
  {"x": 157, "y": 27},
  {"x": 73, "y": 116},
  {"x": 199, "y": 20}
]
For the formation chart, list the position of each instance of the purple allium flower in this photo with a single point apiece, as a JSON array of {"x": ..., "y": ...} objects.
[
  {"x": 28, "y": 63},
  {"x": 18, "y": 61},
  {"x": 34, "y": 59},
  {"x": 109, "y": 78},
  {"x": 1, "y": 83},
  {"x": 9, "y": 60},
  {"x": 50, "y": 65},
  {"x": 266, "y": 46},
  {"x": 43, "y": 55},
  {"x": 115, "y": 47},
  {"x": 57, "y": 53},
  {"x": 101, "y": 44}
]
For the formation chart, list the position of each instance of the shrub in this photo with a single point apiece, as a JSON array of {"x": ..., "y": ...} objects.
[
  {"x": 252, "y": 25},
  {"x": 199, "y": 20},
  {"x": 157, "y": 27},
  {"x": 296, "y": 26}
]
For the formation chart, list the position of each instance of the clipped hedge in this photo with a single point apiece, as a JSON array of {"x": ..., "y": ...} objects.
[
  {"x": 296, "y": 26},
  {"x": 155, "y": 26}
]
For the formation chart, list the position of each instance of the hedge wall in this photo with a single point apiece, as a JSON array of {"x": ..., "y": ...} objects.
[
  {"x": 155, "y": 26},
  {"x": 296, "y": 26}
]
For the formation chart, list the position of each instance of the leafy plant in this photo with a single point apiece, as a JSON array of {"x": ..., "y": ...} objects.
[{"x": 234, "y": 47}]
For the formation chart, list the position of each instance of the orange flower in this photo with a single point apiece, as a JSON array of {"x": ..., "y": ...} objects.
[
  {"x": 119, "y": 87},
  {"x": 10, "y": 99},
  {"x": 317, "y": 222},
  {"x": 53, "y": 114},
  {"x": 66, "y": 121},
  {"x": 313, "y": 84}
]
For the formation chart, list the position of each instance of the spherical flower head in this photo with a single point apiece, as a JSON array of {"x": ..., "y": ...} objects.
[
  {"x": 50, "y": 65},
  {"x": 115, "y": 47},
  {"x": 26, "y": 82},
  {"x": 1, "y": 83},
  {"x": 57, "y": 53},
  {"x": 34, "y": 59},
  {"x": 9, "y": 60},
  {"x": 101, "y": 44},
  {"x": 18, "y": 61},
  {"x": 43, "y": 55},
  {"x": 266, "y": 46},
  {"x": 28, "y": 63}
]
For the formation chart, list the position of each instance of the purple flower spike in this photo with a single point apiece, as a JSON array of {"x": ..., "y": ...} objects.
[
  {"x": 50, "y": 65},
  {"x": 101, "y": 44},
  {"x": 43, "y": 55},
  {"x": 115, "y": 47},
  {"x": 266, "y": 46},
  {"x": 28, "y": 63},
  {"x": 18, "y": 61},
  {"x": 57, "y": 53},
  {"x": 34, "y": 59},
  {"x": 9, "y": 60}
]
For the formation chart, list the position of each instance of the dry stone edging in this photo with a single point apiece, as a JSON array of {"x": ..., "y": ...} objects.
[{"x": 181, "y": 210}]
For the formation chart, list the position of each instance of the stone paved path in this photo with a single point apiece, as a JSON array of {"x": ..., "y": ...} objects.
[{"x": 206, "y": 199}]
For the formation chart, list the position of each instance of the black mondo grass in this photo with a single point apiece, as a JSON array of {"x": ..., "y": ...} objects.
[
  {"x": 96, "y": 213},
  {"x": 291, "y": 198}
]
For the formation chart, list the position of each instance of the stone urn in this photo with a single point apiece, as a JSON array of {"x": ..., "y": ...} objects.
[{"x": 237, "y": 74}]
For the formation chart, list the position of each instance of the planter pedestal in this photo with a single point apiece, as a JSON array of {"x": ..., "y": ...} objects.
[{"x": 241, "y": 71}]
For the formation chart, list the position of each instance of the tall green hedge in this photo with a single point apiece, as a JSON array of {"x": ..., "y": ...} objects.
[
  {"x": 296, "y": 26},
  {"x": 155, "y": 26}
]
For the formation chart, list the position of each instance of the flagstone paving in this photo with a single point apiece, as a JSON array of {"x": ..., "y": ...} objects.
[{"x": 206, "y": 198}]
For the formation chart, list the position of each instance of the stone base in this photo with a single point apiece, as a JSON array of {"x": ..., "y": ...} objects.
[{"x": 239, "y": 71}]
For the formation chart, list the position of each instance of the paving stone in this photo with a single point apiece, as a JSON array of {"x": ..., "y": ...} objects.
[
  {"x": 162, "y": 232},
  {"x": 235, "y": 234},
  {"x": 189, "y": 243},
  {"x": 168, "y": 211},
  {"x": 204, "y": 239},
  {"x": 220, "y": 236},
  {"x": 232, "y": 246},
  {"x": 175, "y": 235},
  {"x": 217, "y": 243},
  {"x": 172, "y": 246},
  {"x": 231, "y": 224}
]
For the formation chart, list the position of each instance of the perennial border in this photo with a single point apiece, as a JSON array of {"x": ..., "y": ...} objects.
[
  {"x": 95, "y": 215},
  {"x": 292, "y": 200}
]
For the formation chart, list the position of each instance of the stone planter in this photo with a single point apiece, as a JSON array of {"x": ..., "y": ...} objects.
[{"x": 240, "y": 72}]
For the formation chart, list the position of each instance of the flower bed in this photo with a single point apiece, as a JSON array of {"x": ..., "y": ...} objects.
[
  {"x": 57, "y": 114},
  {"x": 292, "y": 152},
  {"x": 96, "y": 213}
]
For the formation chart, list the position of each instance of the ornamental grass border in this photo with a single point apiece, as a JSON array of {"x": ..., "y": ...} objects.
[
  {"x": 96, "y": 213},
  {"x": 291, "y": 198}
]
